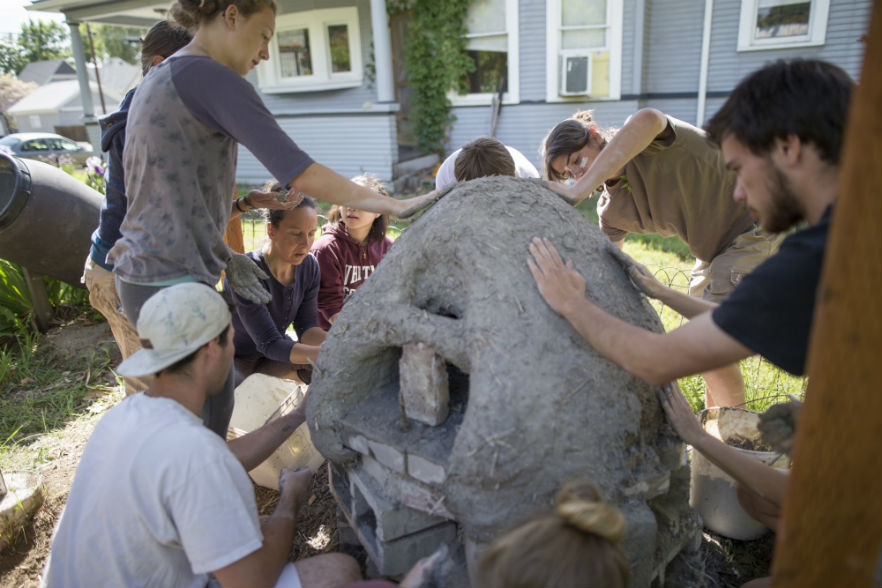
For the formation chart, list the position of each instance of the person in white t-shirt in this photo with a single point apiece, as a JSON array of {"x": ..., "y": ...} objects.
[
  {"x": 158, "y": 499},
  {"x": 484, "y": 156}
]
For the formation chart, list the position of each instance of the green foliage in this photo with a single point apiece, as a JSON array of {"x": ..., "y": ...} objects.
[
  {"x": 41, "y": 389},
  {"x": 764, "y": 384},
  {"x": 38, "y": 41},
  {"x": 12, "y": 59},
  {"x": 41, "y": 40},
  {"x": 435, "y": 62},
  {"x": 111, "y": 41}
]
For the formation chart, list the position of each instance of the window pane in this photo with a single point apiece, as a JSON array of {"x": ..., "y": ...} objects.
[
  {"x": 583, "y": 12},
  {"x": 583, "y": 39},
  {"x": 486, "y": 16},
  {"x": 338, "y": 38},
  {"x": 294, "y": 55},
  {"x": 776, "y": 19},
  {"x": 490, "y": 68}
]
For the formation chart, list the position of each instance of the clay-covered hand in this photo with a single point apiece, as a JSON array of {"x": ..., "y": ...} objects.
[
  {"x": 645, "y": 281},
  {"x": 559, "y": 283},
  {"x": 778, "y": 425},
  {"x": 296, "y": 482},
  {"x": 680, "y": 413},
  {"x": 283, "y": 200},
  {"x": 301, "y": 408},
  {"x": 423, "y": 573},
  {"x": 245, "y": 277},
  {"x": 567, "y": 193},
  {"x": 413, "y": 205}
]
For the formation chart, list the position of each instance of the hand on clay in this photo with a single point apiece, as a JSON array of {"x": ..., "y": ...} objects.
[
  {"x": 413, "y": 205},
  {"x": 680, "y": 413},
  {"x": 245, "y": 276},
  {"x": 274, "y": 200},
  {"x": 297, "y": 481},
  {"x": 421, "y": 574},
  {"x": 566, "y": 193},
  {"x": 645, "y": 281},
  {"x": 559, "y": 283},
  {"x": 778, "y": 425}
]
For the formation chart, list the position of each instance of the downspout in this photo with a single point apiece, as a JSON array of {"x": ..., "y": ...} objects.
[
  {"x": 705, "y": 59},
  {"x": 637, "y": 74},
  {"x": 382, "y": 52}
]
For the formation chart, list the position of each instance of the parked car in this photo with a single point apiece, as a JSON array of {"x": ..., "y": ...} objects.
[{"x": 47, "y": 147}]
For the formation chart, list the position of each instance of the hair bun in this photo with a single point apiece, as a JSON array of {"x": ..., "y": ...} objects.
[{"x": 579, "y": 505}]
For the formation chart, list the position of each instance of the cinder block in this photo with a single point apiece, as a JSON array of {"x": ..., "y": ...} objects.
[
  {"x": 424, "y": 470},
  {"x": 418, "y": 497},
  {"x": 388, "y": 456},
  {"x": 394, "y": 558},
  {"x": 390, "y": 517},
  {"x": 424, "y": 390},
  {"x": 359, "y": 444}
]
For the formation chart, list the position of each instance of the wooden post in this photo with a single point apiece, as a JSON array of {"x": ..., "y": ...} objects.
[
  {"x": 42, "y": 310},
  {"x": 832, "y": 517}
]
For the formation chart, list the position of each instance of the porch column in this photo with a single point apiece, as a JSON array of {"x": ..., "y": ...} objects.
[
  {"x": 382, "y": 52},
  {"x": 89, "y": 120}
]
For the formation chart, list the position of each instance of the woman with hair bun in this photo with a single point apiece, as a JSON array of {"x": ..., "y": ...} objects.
[
  {"x": 186, "y": 122},
  {"x": 574, "y": 546}
]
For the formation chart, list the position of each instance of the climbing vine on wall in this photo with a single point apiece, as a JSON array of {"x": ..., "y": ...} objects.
[{"x": 435, "y": 62}]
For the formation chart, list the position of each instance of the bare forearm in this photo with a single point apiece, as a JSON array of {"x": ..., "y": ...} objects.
[
  {"x": 302, "y": 353},
  {"x": 688, "y": 306},
  {"x": 768, "y": 482},
  {"x": 314, "y": 336},
  {"x": 634, "y": 349},
  {"x": 628, "y": 142},
  {"x": 325, "y": 184},
  {"x": 255, "y": 447}
]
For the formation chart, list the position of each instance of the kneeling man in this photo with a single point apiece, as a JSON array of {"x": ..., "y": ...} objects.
[{"x": 158, "y": 499}]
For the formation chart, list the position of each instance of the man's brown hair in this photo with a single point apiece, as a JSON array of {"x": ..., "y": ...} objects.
[{"x": 484, "y": 156}]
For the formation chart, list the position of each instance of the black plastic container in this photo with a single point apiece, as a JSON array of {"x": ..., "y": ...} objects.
[{"x": 46, "y": 218}]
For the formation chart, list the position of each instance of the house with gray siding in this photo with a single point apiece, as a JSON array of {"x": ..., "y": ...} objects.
[{"x": 550, "y": 58}]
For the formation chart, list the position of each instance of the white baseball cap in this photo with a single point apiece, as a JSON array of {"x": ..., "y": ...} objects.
[{"x": 175, "y": 322}]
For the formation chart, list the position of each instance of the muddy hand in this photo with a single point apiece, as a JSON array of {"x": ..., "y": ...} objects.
[
  {"x": 245, "y": 278},
  {"x": 419, "y": 203}
]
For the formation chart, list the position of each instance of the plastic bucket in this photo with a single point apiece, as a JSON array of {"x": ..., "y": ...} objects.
[
  {"x": 713, "y": 492},
  {"x": 260, "y": 399}
]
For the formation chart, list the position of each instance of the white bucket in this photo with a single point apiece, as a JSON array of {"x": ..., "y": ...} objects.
[
  {"x": 260, "y": 399},
  {"x": 713, "y": 492}
]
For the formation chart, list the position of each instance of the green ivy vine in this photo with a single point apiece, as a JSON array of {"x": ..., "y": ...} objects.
[{"x": 435, "y": 62}]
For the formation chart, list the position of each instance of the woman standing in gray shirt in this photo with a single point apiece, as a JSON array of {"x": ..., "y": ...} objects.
[{"x": 185, "y": 124}]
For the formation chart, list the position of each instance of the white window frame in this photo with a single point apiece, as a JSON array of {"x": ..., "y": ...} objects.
[
  {"x": 554, "y": 52},
  {"x": 816, "y": 36},
  {"x": 512, "y": 95},
  {"x": 269, "y": 74}
]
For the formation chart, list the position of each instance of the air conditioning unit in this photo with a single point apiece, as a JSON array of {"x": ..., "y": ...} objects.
[{"x": 575, "y": 74}]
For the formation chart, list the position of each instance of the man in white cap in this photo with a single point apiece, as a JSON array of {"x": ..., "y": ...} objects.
[{"x": 160, "y": 500}]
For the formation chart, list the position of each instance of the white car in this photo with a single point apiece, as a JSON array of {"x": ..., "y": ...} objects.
[{"x": 47, "y": 147}]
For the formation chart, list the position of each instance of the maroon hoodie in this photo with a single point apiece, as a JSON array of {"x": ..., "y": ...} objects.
[{"x": 345, "y": 264}]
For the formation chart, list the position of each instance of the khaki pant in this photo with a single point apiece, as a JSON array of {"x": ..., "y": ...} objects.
[
  {"x": 714, "y": 280},
  {"x": 104, "y": 299}
]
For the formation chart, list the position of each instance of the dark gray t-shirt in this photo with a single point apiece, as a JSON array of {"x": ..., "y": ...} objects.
[
  {"x": 185, "y": 123},
  {"x": 678, "y": 186}
]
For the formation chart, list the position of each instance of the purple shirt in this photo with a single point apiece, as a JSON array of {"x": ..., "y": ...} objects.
[{"x": 260, "y": 328}]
